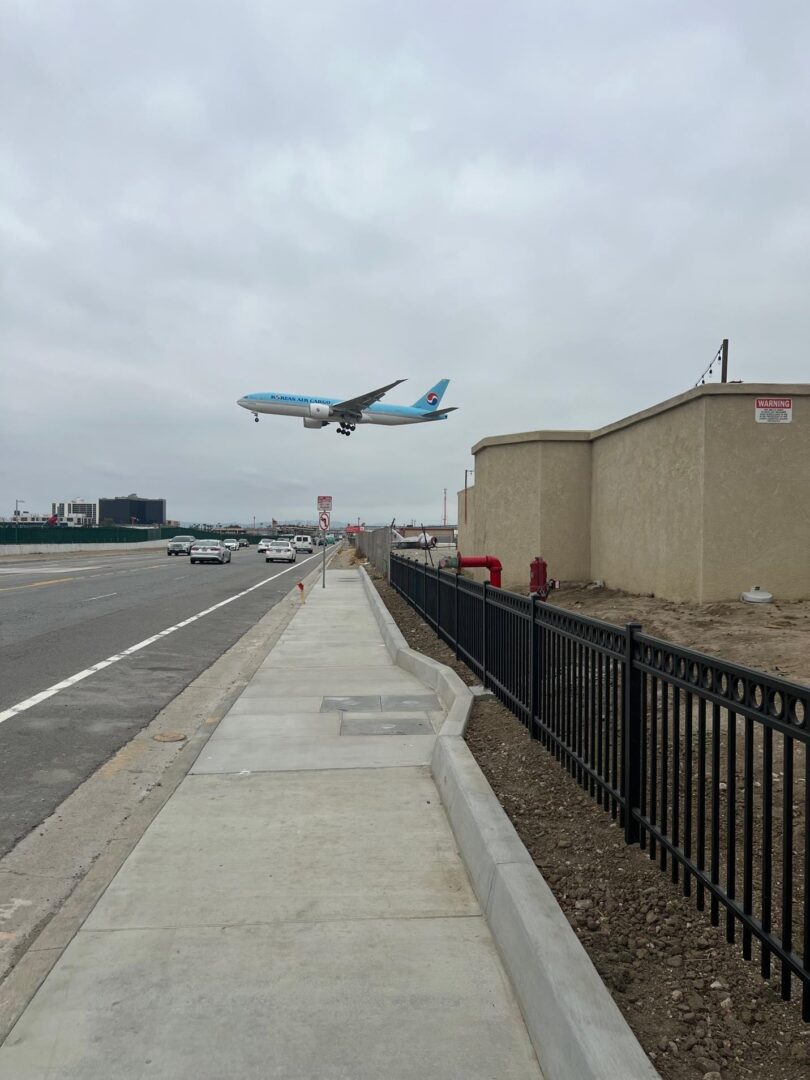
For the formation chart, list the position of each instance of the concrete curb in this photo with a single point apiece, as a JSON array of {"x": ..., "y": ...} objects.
[
  {"x": 450, "y": 690},
  {"x": 575, "y": 1026}
]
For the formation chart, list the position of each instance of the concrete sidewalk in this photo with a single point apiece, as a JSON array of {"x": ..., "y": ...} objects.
[{"x": 298, "y": 909}]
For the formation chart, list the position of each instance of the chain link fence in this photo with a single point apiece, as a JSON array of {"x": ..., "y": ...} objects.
[{"x": 375, "y": 544}]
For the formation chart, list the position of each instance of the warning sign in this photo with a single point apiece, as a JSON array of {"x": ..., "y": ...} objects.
[{"x": 773, "y": 410}]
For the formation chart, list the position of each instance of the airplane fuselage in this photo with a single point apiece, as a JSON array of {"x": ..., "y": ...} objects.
[
  {"x": 347, "y": 413},
  {"x": 309, "y": 408}
]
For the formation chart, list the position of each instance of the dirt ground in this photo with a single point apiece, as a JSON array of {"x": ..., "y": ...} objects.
[
  {"x": 774, "y": 638},
  {"x": 344, "y": 559},
  {"x": 697, "y": 1008}
]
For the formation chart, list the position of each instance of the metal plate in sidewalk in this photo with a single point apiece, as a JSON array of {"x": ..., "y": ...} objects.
[
  {"x": 359, "y": 703},
  {"x": 409, "y": 703},
  {"x": 385, "y": 726}
]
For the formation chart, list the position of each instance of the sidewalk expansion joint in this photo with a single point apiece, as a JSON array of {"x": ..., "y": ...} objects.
[{"x": 184, "y": 927}]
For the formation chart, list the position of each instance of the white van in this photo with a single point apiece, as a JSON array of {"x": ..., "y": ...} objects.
[{"x": 303, "y": 543}]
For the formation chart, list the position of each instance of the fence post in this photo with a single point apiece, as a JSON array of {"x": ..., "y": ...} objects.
[
  {"x": 455, "y": 601},
  {"x": 631, "y": 736},
  {"x": 484, "y": 622},
  {"x": 534, "y": 667},
  {"x": 438, "y": 604}
]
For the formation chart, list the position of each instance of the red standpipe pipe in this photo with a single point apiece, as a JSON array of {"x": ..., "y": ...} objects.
[{"x": 489, "y": 561}]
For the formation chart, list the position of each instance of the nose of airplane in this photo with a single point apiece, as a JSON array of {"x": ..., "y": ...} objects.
[{"x": 244, "y": 402}]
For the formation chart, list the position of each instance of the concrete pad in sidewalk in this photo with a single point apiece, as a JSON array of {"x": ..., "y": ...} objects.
[
  {"x": 323, "y": 683},
  {"x": 356, "y": 1000},
  {"x": 276, "y": 706},
  {"x": 286, "y": 754},
  {"x": 264, "y": 725},
  {"x": 303, "y": 655},
  {"x": 292, "y": 846}
]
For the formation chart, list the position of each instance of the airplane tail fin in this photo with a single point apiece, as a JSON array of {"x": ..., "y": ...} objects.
[{"x": 430, "y": 400}]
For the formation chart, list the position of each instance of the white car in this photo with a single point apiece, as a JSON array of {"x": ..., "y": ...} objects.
[
  {"x": 280, "y": 551},
  {"x": 231, "y": 544},
  {"x": 303, "y": 544},
  {"x": 209, "y": 551},
  {"x": 264, "y": 544}
]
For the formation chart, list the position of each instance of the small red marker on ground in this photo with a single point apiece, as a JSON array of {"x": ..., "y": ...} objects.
[{"x": 301, "y": 587}]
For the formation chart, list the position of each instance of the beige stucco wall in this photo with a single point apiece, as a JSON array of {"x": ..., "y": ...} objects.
[
  {"x": 565, "y": 510},
  {"x": 467, "y": 540},
  {"x": 756, "y": 500},
  {"x": 690, "y": 500},
  {"x": 510, "y": 477},
  {"x": 647, "y": 504},
  {"x": 536, "y": 502}
]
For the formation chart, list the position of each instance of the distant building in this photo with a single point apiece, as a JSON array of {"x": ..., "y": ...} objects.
[
  {"x": 25, "y": 517},
  {"x": 132, "y": 510},
  {"x": 76, "y": 511}
]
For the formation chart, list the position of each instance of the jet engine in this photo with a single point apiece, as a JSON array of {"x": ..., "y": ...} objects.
[
  {"x": 314, "y": 423},
  {"x": 319, "y": 412}
]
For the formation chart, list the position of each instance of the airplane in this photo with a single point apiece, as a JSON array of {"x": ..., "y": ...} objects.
[
  {"x": 347, "y": 413},
  {"x": 422, "y": 540}
]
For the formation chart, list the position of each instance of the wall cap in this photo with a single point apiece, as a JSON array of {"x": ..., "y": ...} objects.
[{"x": 716, "y": 390}]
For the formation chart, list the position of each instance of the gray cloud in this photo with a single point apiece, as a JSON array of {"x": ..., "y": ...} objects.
[{"x": 562, "y": 207}]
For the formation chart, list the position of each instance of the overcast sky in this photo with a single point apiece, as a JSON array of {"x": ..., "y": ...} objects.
[{"x": 563, "y": 207}]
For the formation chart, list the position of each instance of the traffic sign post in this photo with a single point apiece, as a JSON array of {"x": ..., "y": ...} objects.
[{"x": 324, "y": 511}]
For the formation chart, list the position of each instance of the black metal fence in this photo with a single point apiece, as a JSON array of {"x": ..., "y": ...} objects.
[{"x": 704, "y": 762}]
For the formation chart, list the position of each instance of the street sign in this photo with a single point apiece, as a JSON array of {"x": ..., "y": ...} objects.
[{"x": 324, "y": 513}]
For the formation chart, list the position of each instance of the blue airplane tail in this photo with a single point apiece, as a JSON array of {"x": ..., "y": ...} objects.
[{"x": 430, "y": 400}]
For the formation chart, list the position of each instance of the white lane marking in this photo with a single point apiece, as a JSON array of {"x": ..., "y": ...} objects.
[
  {"x": 103, "y": 596},
  {"x": 43, "y": 695}
]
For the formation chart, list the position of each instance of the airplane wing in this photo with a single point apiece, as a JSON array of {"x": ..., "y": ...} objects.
[{"x": 354, "y": 406}]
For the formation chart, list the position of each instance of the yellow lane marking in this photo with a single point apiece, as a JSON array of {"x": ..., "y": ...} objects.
[
  {"x": 83, "y": 577},
  {"x": 39, "y": 584}
]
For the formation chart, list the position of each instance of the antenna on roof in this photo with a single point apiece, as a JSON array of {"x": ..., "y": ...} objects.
[{"x": 721, "y": 358}]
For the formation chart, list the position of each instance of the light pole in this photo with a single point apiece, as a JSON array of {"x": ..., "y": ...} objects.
[
  {"x": 17, "y": 519},
  {"x": 470, "y": 472}
]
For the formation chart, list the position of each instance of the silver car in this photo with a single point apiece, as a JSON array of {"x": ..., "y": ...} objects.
[
  {"x": 280, "y": 551},
  {"x": 231, "y": 544},
  {"x": 209, "y": 551},
  {"x": 179, "y": 545}
]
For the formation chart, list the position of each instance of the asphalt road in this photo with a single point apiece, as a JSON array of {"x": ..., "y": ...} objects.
[{"x": 61, "y": 615}]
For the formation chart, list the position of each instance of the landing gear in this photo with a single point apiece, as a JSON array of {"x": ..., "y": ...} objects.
[
  {"x": 256, "y": 417},
  {"x": 345, "y": 429}
]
